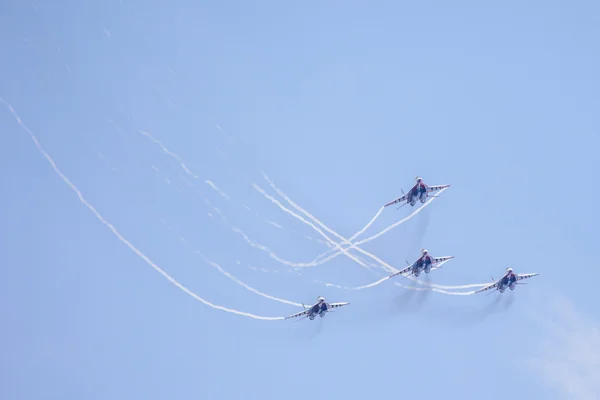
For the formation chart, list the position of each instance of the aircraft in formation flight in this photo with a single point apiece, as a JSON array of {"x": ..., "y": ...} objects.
[
  {"x": 422, "y": 264},
  {"x": 320, "y": 308},
  {"x": 420, "y": 191},
  {"x": 509, "y": 280}
]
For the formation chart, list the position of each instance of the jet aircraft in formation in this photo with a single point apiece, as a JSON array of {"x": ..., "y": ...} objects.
[
  {"x": 419, "y": 192},
  {"x": 320, "y": 308},
  {"x": 422, "y": 264},
  {"x": 509, "y": 280}
]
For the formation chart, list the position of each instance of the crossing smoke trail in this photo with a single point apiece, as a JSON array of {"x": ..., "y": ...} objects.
[
  {"x": 118, "y": 235},
  {"x": 345, "y": 251},
  {"x": 349, "y": 241},
  {"x": 354, "y": 245},
  {"x": 316, "y": 261},
  {"x": 273, "y": 255},
  {"x": 345, "y": 241},
  {"x": 431, "y": 287},
  {"x": 385, "y": 230},
  {"x": 260, "y": 190}
]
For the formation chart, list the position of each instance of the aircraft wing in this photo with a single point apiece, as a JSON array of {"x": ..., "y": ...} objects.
[
  {"x": 298, "y": 314},
  {"x": 336, "y": 305},
  {"x": 398, "y": 200},
  {"x": 436, "y": 260},
  {"x": 489, "y": 287},
  {"x": 401, "y": 272},
  {"x": 436, "y": 188},
  {"x": 526, "y": 276}
]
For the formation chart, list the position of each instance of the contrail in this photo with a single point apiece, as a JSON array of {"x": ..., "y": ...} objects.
[
  {"x": 360, "y": 232},
  {"x": 192, "y": 174},
  {"x": 380, "y": 281},
  {"x": 271, "y": 253},
  {"x": 118, "y": 235},
  {"x": 345, "y": 251},
  {"x": 356, "y": 287},
  {"x": 212, "y": 185},
  {"x": 169, "y": 152},
  {"x": 434, "y": 289},
  {"x": 385, "y": 230},
  {"x": 260, "y": 190},
  {"x": 354, "y": 245},
  {"x": 274, "y": 255},
  {"x": 236, "y": 280}
]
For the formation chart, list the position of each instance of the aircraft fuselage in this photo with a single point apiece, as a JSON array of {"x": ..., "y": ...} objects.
[
  {"x": 417, "y": 193},
  {"x": 317, "y": 309},
  {"x": 422, "y": 265},
  {"x": 509, "y": 281}
]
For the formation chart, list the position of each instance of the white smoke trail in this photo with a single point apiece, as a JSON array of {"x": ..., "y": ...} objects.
[
  {"x": 212, "y": 185},
  {"x": 389, "y": 228},
  {"x": 117, "y": 234},
  {"x": 419, "y": 289},
  {"x": 275, "y": 224},
  {"x": 348, "y": 241},
  {"x": 267, "y": 250},
  {"x": 345, "y": 251},
  {"x": 189, "y": 172},
  {"x": 239, "y": 282},
  {"x": 236, "y": 280},
  {"x": 355, "y": 287},
  {"x": 273, "y": 255},
  {"x": 435, "y": 289},
  {"x": 354, "y": 245},
  {"x": 169, "y": 152},
  {"x": 192, "y": 174},
  {"x": 380, "y": 281},
  {"x": 367, "y": 226},
  {"x": 260, "y": 190}
]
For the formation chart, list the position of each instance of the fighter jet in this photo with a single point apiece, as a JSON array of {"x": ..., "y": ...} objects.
[
  {"x": 320, "y": 308},
  {"x": 420, "y": 191}
]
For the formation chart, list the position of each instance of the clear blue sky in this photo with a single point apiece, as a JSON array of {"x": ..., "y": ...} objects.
[{"x": 342, "y": 104}]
